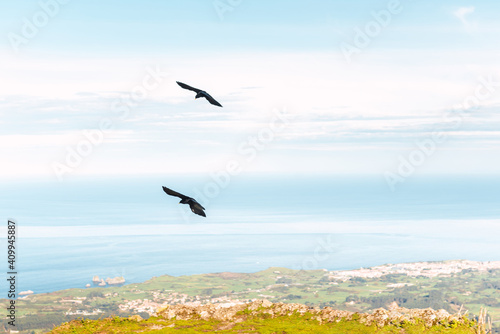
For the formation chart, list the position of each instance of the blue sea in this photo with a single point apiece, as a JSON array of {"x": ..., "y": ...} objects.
[{"x": 127, "y": 226}]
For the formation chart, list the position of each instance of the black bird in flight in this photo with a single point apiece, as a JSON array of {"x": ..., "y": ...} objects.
[
  {"x": 195, "y": 206},
  {"x": 200, "y": 93}
]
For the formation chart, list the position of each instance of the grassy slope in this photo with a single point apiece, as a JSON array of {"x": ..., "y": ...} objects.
[
  {"x": 253, "y": 324},
  {"x": 307, "y": 287}
]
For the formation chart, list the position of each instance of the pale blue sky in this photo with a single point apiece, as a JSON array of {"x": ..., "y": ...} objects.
[
  {"x": 354, "y": 114},
  {"x": 96, "y": 27}
]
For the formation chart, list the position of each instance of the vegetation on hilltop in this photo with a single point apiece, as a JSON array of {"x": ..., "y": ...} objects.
[
  {"x": 468, "y": 290},
  {"x": 265, "y": 317}
]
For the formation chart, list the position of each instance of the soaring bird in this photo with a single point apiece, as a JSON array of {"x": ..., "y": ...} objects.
[
  {"x": 193, "y": 204},
  {"x": 200, "y": 93}
]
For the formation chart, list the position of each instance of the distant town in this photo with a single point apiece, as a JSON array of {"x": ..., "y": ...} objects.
[
  {"x": 422, "y": 269},
  {"x": 456, "y": 285},
  {"x": 170, "y": 297},
  {"x": 426, "y": 269}
]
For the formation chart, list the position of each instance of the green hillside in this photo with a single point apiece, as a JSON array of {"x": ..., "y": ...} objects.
[
  {"x": 466, "y": 290},
  {"x": 265, "y": 317}
]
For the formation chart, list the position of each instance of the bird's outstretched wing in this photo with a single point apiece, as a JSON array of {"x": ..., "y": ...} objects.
[
  {"x": 212, "y": 101},
  {"x": 194, "y": 202},
  {"x": 197, "y": 208},
  {"x": 174, "y": 193},
  {"x": 183, "y": 85}
]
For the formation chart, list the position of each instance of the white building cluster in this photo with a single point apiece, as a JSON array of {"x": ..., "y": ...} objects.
[{"x": 426, "y": 269}]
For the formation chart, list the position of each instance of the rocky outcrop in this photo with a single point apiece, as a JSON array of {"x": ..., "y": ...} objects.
[
  {"x": 223, "y": 312},
  {"x": 399, "y": 315},
  {"x": 109, "y": 281},
  {"x": 116, "y": 280},
  {"x": 238, "y": 312}
]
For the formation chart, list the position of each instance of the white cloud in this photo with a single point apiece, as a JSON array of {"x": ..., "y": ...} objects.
[
  {"x": 384, "y": 100},
  {"x": 305, "y": 225}
]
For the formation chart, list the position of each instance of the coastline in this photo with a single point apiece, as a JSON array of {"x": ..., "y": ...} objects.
[
  {"x": 454, "y": 286},
  {"x": 427, "y": 269}
]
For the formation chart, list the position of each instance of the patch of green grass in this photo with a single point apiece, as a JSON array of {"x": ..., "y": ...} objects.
[
  {"x": 251, "y": 324},
  {"x": 311, "y": 287}
]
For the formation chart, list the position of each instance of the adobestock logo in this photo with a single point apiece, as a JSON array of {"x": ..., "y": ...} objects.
[
  {"x": 121, "y": 107},
  {"x": 452, "y": 119},
  {"x": 364, "y": 36},
  {"x": 31, "y": 27},
  {"x": 247, "y": 151},
  {"x": 223, "y": 6},
  {"x": 323, "y": 251}
]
